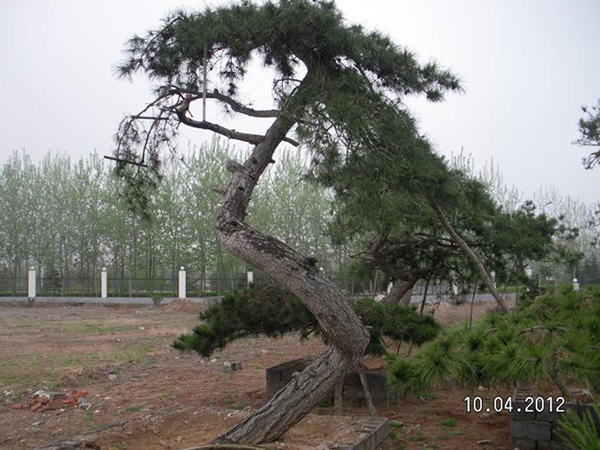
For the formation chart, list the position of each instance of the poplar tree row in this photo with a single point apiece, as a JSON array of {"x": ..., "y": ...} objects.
[{"x": 68, "y": 219}]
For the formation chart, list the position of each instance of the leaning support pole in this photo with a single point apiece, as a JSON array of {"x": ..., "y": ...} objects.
[
  {"x": 471, "y": 254},
  {"x": 338, "y": 398},
  {"x": 424, "y": 297},
  {"x": 367, "y": 391}
]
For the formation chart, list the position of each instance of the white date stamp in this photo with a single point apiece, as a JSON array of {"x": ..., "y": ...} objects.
[{"x": 527, "y": 405}]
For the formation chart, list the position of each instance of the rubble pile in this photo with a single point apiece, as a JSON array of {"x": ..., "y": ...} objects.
[{"x": 41, "y": 401}]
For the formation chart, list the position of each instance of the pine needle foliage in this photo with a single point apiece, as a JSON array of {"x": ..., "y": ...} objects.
[
  {"x": 274, "y": 312},
  {"x": 589, "y": 127},
  {"x": 554, "y": 339},
  {"x": 581, "y": 433},
  {"x": 343, "y": 86}
]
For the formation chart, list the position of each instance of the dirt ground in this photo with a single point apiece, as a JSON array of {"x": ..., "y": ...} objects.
[{"x": 145, "y": 395}]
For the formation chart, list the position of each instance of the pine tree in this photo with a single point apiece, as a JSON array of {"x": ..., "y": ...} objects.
[
  {"x": 337, "y": 84},
  {"x": 589, "y": 127}
]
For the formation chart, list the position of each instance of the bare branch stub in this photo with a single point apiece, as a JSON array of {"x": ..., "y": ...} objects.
[
  {"x": 234, "y": 166},
  {"x": 125, "y": 161}
]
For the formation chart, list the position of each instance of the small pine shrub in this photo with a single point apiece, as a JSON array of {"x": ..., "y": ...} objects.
[
  {"x": 580, "y": 433},
  {"x": 274, "y": 312},
  {"x": 554, "y": 338},
  {"x": 157, "y": 298}
]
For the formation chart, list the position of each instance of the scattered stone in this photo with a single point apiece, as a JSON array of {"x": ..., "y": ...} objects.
[
  {"x": 53, "y": 405},
  {"x": 112, "y": 377},
  {"x": 36, "y": 407},
  {"x": 485, "y": 442},
  {"x": 49, "y": 395},
  {"x": 485, "y": 415},
  {"x": 480, "y": 388},
  {"x": 236, "y": 366},
  {"x": 83, "y": 402},
  {"x": 214, "y": 360},
  {"x": 141, "y": 328},
  {"x": 42, "y": 401},
  {"x": 226, "y": 367}
]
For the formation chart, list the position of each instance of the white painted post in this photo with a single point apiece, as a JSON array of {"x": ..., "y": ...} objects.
[
  {"x": 104, "y": 283},
  {"x": 389, "y": 288},
  {"x": 182, "y": 289},
  {"x": 493, "y": 277},
  {"x": 575, "y": 284},
  {"x": 250, "y": 278},
  {"x": 31, "y": 283},
  {"x": 528, "y": 271},
  {"x": 454, "y": 289}
]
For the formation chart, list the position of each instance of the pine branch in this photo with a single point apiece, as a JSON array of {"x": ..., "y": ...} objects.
[
  {"x": 235, "y": 105},
  {"x": 253, "y": 139}
]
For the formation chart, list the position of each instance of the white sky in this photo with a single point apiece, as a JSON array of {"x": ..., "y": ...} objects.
[{"x": 527, "y": 67}]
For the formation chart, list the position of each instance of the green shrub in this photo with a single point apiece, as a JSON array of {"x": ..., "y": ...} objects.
[
  {"x": 274, "y": 312},
  {"x": 450, "y": 422},
  {"x": 554, "y": 338},
  {"x": 157, "y": 298},
  {"x": 581, "y": 433}
]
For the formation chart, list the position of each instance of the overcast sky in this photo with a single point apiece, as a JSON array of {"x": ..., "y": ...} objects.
[{"x": 527, "y": 67}]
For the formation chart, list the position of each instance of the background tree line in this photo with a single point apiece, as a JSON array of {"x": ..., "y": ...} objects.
[{"x": 68, "y": 219}]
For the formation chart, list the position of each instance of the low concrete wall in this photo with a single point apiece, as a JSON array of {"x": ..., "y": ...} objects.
[
  {"x": 478, "y": 298},
  {"x": 280, "y": 375},
  {"x": 378, "y": 428},
  {"x": 538, "y": 429},
  {"x": 207, "y": 301}
]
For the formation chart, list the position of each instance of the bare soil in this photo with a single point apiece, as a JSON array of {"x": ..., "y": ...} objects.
[{"x": 146, "y": 395}]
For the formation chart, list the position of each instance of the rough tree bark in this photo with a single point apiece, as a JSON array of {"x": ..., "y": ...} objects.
[
  {"x": 401, "y": 292},
  {"x": 471, "y": 254},
  {"x": 301, "y": 276}
]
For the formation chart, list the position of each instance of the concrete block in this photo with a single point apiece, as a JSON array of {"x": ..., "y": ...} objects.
[
  {"x": 373, "y": 439},
  {"x": 298, "y": 365},
  {"x": 551, "y": 445},
  {"x": 523, "y": 443},
  {"x": 352, "y": 379},
  {"x": 553, "y": 416},
  {"x": 518, "y": 411},
  {"x": 273, "y": 375},
  {"x": 273, "y": 388},
  {"x": 278, "y": 376},
  {"x": 376, "y": 380},
  {"x": 531, "y": 429}
]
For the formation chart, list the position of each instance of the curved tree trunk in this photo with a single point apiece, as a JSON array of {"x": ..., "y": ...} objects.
[
  {"x": 401, "y": 292},
  {"x": 302, "y": 277},
  {"x": 471, "y": 254}
]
